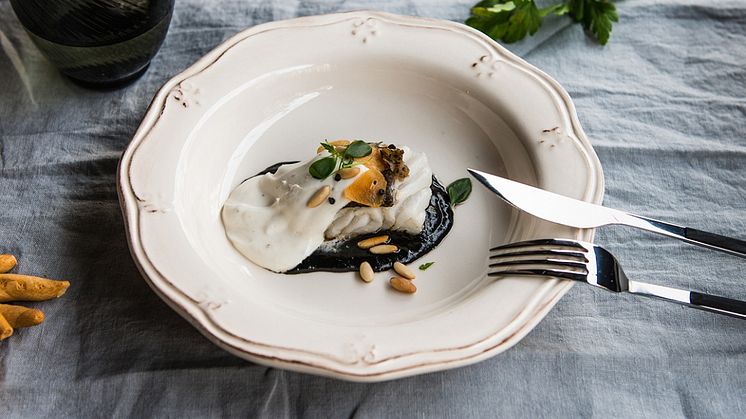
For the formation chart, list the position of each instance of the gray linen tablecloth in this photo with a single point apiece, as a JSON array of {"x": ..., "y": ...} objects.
[{"x": 664, "y": 104}]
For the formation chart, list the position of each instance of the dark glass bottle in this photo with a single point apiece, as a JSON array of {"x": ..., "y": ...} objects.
[{"x": 99, "y": 43}]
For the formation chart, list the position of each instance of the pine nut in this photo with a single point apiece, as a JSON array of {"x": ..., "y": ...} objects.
[
  {"x": 383, "y": 249},
  {"x": 372, "y": 241},
  {"x": 404, "y": 270},
  {"x": 366, "y": 272},
  {"x": 319, "y": 196},
  {"x": 402, "y": 285},
  {"x": 348, "y": 172}
]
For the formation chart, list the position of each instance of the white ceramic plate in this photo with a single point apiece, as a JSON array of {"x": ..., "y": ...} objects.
[{"x": 271, "y": 93}]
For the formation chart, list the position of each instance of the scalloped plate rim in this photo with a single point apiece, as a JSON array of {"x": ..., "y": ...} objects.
[{"x": 197, "y": 317}]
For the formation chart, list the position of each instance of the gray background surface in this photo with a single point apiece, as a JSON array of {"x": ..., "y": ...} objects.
[{"x": 664, "y": 104}]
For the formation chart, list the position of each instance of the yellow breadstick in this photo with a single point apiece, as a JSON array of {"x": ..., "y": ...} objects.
[
  {"x": 15, "y": 287},
  {"x": 7, "y": 262},
  {"x": 5, "y": 329},
  {"x": 19, "y": 316}
]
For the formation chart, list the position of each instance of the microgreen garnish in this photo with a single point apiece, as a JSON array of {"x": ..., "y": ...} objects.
[
  {"x": 358, "y": 149},
  {"x": 426, "y": 265},
  {"x": 330, "y": 148},
  {"x": 324, "y": 167},
  {"x": 459, "y": 190}
]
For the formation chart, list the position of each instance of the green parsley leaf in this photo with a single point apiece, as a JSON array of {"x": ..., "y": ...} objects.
[
  {"x": 459, "y": 191},
  {"x": 525, "y": 19},
  {"x": 507, "y": 20},
  {"x": 596, "y": 16},
  {"x": 358, "y": 149},
  {"x": 511, "y": 20},
  {"x": 424, "y": 266},
  {"x": 557, "y": 9},
  {"x": 322, "y": 168}
]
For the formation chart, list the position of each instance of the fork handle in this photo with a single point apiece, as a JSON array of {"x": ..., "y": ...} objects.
[
  {"x": 707, "y": 302},
  {"x": 688, "y": 234}
]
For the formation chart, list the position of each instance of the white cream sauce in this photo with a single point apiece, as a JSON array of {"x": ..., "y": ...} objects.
[{"x": 267, "y": 219}]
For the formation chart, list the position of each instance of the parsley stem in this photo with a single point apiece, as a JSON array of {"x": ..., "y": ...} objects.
[{"x": 558, "y": 9}]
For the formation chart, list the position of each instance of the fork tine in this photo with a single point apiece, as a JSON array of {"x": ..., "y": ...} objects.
[
  {"x": 542, "y": 272},
  {"x": 576, "y": 271},
  {"x": 561, "y": 258},
  {"x": 552, "y": 254},
  {"x": 556, "y": 244},
  {"x": 544, "y": 263}
]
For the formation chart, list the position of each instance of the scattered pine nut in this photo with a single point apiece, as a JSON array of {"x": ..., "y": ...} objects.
[
  {"x": 383, "y": 249},
  {"x": 348, "y": 172},
  {"x": 366, "y": 272},
  {"x": 373, "y": 241},
  {"x": 404, "y": 270},
  {"x": 402, "y": 285},
  {"x": 319, "y": 196}
]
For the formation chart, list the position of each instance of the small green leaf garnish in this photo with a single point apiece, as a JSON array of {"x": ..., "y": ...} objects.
[
  {"x": 459, "y": 190},
  {"x": 330, "y": 148},
  {"x": 322, "y": 168},
  {"x": 358, "y": 149},
  {"x": 426, "y": 265}
]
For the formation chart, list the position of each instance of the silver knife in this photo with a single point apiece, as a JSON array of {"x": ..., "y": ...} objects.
[{"x": 574, "y": 213}]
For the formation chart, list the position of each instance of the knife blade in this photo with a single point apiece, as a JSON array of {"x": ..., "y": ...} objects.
[{"x": 571, "y": 212}]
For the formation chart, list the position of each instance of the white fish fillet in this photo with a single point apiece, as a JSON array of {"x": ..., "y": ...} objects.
[{"x": 407, "y": 214}]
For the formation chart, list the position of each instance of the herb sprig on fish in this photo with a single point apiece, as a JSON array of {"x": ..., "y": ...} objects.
[{"x": 341, "y": 158}]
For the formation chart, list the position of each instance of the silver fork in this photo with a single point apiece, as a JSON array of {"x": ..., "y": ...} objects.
[{"x": 586, "y": 262}]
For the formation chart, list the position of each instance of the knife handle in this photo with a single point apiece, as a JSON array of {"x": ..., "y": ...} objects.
[
  {"x": 692, "y": 235},
  {"x": 716, "y": 241},
  {"x": 717, "y": 304}
]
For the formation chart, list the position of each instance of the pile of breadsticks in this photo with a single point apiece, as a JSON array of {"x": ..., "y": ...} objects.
[{"x": 15, "y": 287}]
